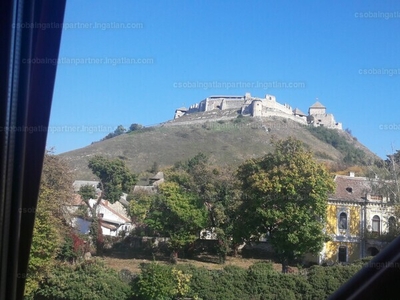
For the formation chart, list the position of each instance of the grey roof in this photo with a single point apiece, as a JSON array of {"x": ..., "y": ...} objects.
[
  {"x": 297, "y": 111},
  {"x": 79, "y": 183},
  {"x": 144, "y": 188},
  {"x": 182, "y": 109},
  {"x": 317, "y": 105}
]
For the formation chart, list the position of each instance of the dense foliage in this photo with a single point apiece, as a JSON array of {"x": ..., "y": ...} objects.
[
  {"x": 49, "y": 228},
  {"x": 88, "y": 280},
  {"x": 115, "y": 177},
  {"x": 259, "y": 282},
  {"x": 177, "y": 214},
  {"x": 218, "y": 190},
  {"x": 352, "y": 155},
  {"x": 196, "y": 196},
  {"x": 284, "y": 198}
]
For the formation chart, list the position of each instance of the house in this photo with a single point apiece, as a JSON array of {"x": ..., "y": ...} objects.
[
  {"x": 113, "y": 217},
  {"x": 113, "y": 223},
  {"x": 357, "y": 220}
]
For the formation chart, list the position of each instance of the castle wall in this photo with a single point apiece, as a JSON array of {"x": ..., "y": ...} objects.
[
  {"x": 231, "y": 104},
  {"x": 326, "y": 120},
  {"x": 276, "y": 113},
  {"x": 262, "y": 107},
  {"x": 277, "y": 106}
]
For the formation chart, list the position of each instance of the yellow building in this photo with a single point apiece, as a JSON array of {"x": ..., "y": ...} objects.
[{"x": 356, "y": 221}]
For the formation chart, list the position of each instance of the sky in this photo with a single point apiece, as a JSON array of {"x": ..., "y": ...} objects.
[{"x": 124, "y": 62}]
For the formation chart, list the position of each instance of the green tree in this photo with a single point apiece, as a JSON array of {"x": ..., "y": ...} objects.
[
  {"x": 50, "y": 226},
  {"x": 115, "y": 179},
  {"x": 217, "y": 189},
  {"x": 118, "y": 131},
  {"x": 285, "y": 197},
  {"x": 139, "y": 205},
  {"x": 176, "y": 214},
  {"x": 135, "y": 126}
]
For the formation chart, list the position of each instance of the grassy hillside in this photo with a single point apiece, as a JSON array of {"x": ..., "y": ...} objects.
[{"x": 226, "y": 139}]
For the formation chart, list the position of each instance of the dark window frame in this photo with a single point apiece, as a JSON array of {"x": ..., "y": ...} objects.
[{"x": 342, "y": 254}]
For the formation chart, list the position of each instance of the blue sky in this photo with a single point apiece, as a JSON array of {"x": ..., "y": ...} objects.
[{"x": 344, "y": 53}]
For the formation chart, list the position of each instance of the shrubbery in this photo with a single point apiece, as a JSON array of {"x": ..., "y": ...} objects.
[
  {"x": 260, "y": 281},
  {"x": 93, "y": 280},
  {"x": 89, "y": 280},
  {"x": 352, "y": 155}
]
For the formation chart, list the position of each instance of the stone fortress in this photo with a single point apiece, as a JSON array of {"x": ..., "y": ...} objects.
[{"x": 262, "y": 107}]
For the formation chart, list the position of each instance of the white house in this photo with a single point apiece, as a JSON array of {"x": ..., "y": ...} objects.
[{"x": 113, "y": 218}]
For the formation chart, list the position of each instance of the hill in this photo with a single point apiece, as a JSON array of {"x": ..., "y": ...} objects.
[{"x": 228, "y": 139}]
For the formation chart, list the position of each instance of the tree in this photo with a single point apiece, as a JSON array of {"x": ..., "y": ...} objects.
[
  {"x": 118, "y": 131},
  {"x": 115, "y": 178},
  {"x": 50, "y": 226},
  {"x": 177, "y": 214},
  {"x": 217, "y": 189},
  {"x": 285, "y": 197},
  {"x": 135, "y": 126}
]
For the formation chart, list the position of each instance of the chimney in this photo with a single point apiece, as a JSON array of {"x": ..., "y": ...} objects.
[{"x": 351, "y": 174}]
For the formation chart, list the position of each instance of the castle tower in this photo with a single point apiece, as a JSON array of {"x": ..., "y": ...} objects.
[
  {"x": 256, "y": 108},
  {"x": 317, "y": 109}
]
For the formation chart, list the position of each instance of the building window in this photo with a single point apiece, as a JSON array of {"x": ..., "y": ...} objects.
[
  {"x": 343, "y": 221},
  {"x": 342, "y": 255},
  {"x": 349, "y": 189},
  {"x": 376, "y": 224},
  {"x": 392, "y": 225}
]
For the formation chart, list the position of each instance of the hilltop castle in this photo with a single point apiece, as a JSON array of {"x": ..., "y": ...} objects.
[{"x": 263, "y": 107}]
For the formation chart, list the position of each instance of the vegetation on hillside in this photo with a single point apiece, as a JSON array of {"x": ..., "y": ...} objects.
[
  {"x": 351, "y": 154},
  {"x": 225, "y": 142}
]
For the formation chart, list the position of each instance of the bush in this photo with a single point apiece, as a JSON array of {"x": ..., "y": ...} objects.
[
  {"x": 162, "y": 282},
  {"x": 89, "y": 280},
  {"x": 202, "y": 283},
  {"x": 326, "y": 280}
]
